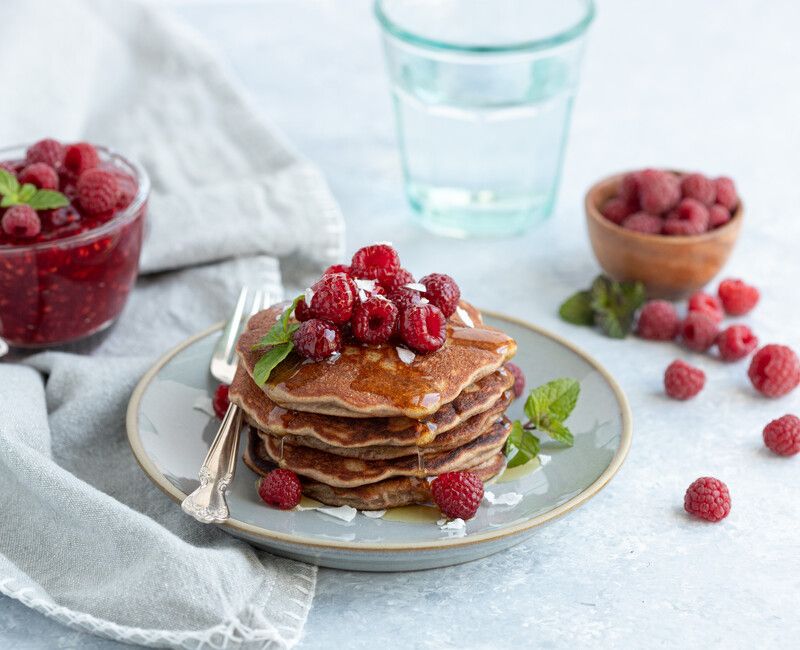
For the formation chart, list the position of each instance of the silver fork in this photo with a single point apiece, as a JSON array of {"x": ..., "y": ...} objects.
[{"x": 208, "y": 503}]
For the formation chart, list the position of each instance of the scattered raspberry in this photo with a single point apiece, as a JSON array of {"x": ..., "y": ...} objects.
[
  {"x": 737, "y": 297},
  {"x": 708, "y": 498},
  {"x": 442, "y": 291},
  {"x": 21, "y": 221},
  {"x": 334, "y": 298},
  {"x": 736, "y": 342},
  {"x": 80, "y": 157},
  {"x": 422, "y": 327},
  {"x": 337, "y": 268},
  {"x": 698, "y": 331},
  {"x": 302, "y": 312},
  {"x": 221, "y": 401},
  {"x": 659, "y": 191},
  {"x": 396, "y": 281},
  {"x": 774, "y": 370},
  {"x": 707, "y": 304},
  {"x": 458, "y": 494},
  {"x": 718, "y": 215},
  {"x": 700, "y": 188},
  {"x": 97, "y": 191},
  {"x": 726, "y": 193},
  {"x": 615, "y": 210},
  {"x": 405, "y": 297},
  {"x": 629, "y": 189},
  {"x": 658, "y": 321},
  {"x": 783, "y": 435},
  {"x": 519, "y": 378},
  {"x": 280, "y": 488},
  {"x": 377, "y": 262},
  {"x": 315, "y": 339},
  {"x": 41, "y": 175},
  {"x": 374, "y": 320},
  {"x": 47, "y": 151},
  {"x": 682, "y": 381}
]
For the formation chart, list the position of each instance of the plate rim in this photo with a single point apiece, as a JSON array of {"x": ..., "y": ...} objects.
[{"x": 152, "y": 472}]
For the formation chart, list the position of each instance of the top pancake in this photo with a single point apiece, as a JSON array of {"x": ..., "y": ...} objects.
[{"x": 372, "y": 381}]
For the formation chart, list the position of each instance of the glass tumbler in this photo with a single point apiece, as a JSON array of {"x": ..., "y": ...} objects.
[{"x": 483, "y": 91}]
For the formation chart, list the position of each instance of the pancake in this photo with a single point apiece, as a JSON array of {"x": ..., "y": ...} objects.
[
  {"x": 330, "y": 431},
  {"x": 372, "y": 381}
]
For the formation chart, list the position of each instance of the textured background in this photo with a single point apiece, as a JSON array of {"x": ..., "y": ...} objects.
[{"x": 687, "y": 84}]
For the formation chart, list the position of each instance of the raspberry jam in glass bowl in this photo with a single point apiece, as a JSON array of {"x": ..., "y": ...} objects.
[{"x": 66, "y": 272}]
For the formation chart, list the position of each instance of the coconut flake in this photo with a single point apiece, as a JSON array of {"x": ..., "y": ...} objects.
[
  {"x": 344, "y": 513},
  {"x": 416, "y": 286},
  {"x": 464, "y": 316},
  {"x": 458, "y": 526},
  {"x": 507, "y": 499},
  {"x": 204, "y": 404},
  {"x": 373, "y": 514},
  {"x": 366, "y": 285},
  {"x": 544, "y": 459},
  {"x": 406, "y": 355},
  {"x": 308, "y": 296}
]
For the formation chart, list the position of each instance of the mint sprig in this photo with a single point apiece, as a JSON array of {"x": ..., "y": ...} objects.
[
  {"x": 280, "y": 343},
  {"x": 547, "y": 407},
  {"x": 608, "y": 304},
  {"x": 27, "y": 194}
]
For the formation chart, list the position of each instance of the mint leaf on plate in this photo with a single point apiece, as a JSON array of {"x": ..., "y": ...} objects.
[{"x": 521, "y": 446}]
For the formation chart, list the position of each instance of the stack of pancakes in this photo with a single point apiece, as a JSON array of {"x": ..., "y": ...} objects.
[{"x": 369, "y": 426}]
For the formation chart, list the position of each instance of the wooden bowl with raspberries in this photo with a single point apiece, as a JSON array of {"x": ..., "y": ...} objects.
[{"x": 671, "y": 230}]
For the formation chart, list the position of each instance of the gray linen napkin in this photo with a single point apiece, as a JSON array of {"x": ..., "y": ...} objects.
[{"x": 85, "y": 538}]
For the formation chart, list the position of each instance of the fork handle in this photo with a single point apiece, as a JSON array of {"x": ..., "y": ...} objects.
[{"x": 207, "y": 503}]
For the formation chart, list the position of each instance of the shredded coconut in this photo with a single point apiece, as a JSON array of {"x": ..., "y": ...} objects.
[
  {"x": 507, "y": 499},
  {"x": 373, "y": 514},
  {"x": 464, "y": 316},
  {"x": 416, "y": 286},
  {"x": 406, "y": 355},
  {"x": 345, "y": 513}
]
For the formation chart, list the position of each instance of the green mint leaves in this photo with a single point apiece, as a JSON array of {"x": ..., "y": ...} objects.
[
  {"x": 547, "y": 407},
  {"x": 16, "y": 194},
  {"x": 280, "y": 344},
  {"x": 609, "y": 305}
]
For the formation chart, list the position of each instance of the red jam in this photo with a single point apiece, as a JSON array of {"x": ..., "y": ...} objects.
[{"x": 71, "y": 279}]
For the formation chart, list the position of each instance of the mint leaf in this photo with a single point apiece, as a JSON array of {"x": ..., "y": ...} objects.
[
  {"x": 577, "y": 309},
  {"x": 281, "y": 331},
  {"x": 289, "y": 311},
  {"x": 9, "y": 185},
  {"x": 554, "y": 400},
  {"x": 615, "y": 304},
  {"x": 521, "y": 446},
  {"x": 559, "y": 432},
  {"x": 26, "y": 192},
  {"x": 9, "y": 200},
  {"x": 47, "y": 200},
  {"x": 267, "y": 363}
]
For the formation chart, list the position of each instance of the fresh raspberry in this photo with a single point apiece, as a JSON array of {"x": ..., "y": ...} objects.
[
  {"x": 783, "y": 435},
  {"x": 629, "y": 190},
  {"x": 393, "y": 283},
  {"x": 737, "y": 297},
  {"x": 682, "y": 381},
  {"x": 441, "y": 290},
  {"x": 707, "y": 304},
  {"x": 405, "y": 297},
  {"x": 97, "y": 191},
  {"x": 337, "y": 268},
  {"x": 21, "y": 221},
  {"x": 79, "y": 157},
  {"x": 301, "y": 311},
  {"x": 615, "y": 210},
  {"x": 736, "y": 342},
  {"x": 422, "y": 327},
  {"x": 334, "y": 298},
  {"x": 458, "y": 494},
  {"x": 708, "y": 498},
  {"x": 718, "y": 215},
  {"x": 644, "y": 222},
  {"x": 280, "y": 488},
  {"x": 47, "y": 151},
  {"x": 700, "y": 188},
  {"x": 698, "y": 331},
  {"x": 658, "y": 321},
  {"x": 659, "y": 191},
  {"x": 774, "y": 370},
  {"x": 690, "y": 218},
  {"x": 519, "y": 378},
  {"x": 374, "y": 320},
  {"x": 126, "y": 188},
  {"x": 221, "y": 401},
  {"x": 377, "y": 262},
  {"x": 726, "y": 193},
  {"x": 679, "y": 228},
  {"x": 41, "y": 175},
  {"x": 315, "y": 339}
]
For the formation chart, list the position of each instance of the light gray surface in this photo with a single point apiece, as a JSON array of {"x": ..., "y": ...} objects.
[{"x": 683, "y": 84}]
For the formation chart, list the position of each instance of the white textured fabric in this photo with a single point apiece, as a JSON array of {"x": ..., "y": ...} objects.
[{"x": 85, "y": 538}]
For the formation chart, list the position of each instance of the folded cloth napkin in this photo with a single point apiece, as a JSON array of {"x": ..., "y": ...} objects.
[{"x": 85, "y": 538}]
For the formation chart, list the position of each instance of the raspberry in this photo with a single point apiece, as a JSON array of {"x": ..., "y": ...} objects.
[
  {"x": 774, "y": 370},
  {"x": 726, "y": 193},
  {"x": 302, "y": 312},
  {"x": 644, "y": 222},
  {"x": 519, "y": 378},
  {"x": 21, "y": 221},
  {"x": 337, "y": 268},
  {"x": 280, "y": 488},
  {"x": 373, "y": 320},
  {"x": 708, "y": 498},
  {"x": 707, "y": 304},
  {"x": 615, "y": 210},
  {"x": 659, "y": 191},
  {"x": 736, "y": 342},
  {"x": 422, "y": 327},
  {"x": 441, "y": 290},
  {"x": 396, "y": 281},
  {"x": 126, "y": 188},
  {"x": 700, "y": 188},
  {"x": 97, "y": 191},
  {"x": 682, "y": 381},
  {"x": 718, "y": 215},
  {"x": 679, "y": 228},
  {"x": 377, "y": 262},
  {"x": 79, "y": 157},
  {"x": 690, "y": 218},
  {"x": 698, "y": 331},
  {"x": 221, "y": 401},
  {"x": 658, "y": 321},
  {"x": 629, "y": 189},
  {"x": 41, "y": 175},
  {"x": 315, "y": 339},
  {"x": 737, "y": 297},
  {"x": 405, "y": 298},
  {"x": 47, "y": 151},
  {"x": 334, "y": 298},
  {"x": 458, "y": 494},
  {"x": 783, "y": 435}
]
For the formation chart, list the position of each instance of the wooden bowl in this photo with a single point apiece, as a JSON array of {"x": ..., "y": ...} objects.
[{"x": 670, "y": 267}]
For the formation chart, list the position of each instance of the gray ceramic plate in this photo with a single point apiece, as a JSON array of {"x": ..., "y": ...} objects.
[{"x": 169, "y": 437}]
